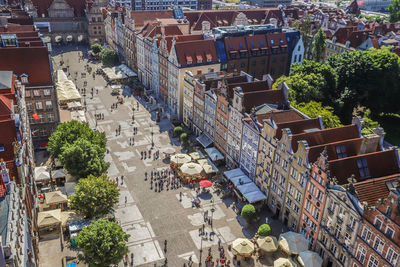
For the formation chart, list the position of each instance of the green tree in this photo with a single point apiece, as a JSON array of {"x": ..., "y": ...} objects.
[
  {"x": 248, "y": 212},
  {"x": 178, "y": 131},
  {"x": 303, "y": 88},
  {"x": 367, "y": 78},
  {"x": 305, "y": 32},
  {"x": 394, "y": 11},
  {"x": 96, "y": 48},
  {"x": 83, "y": 158},
  {"x": 94, "y": 196},
  {"x": 327, "y": 81},
  {"x": 318, "y": 47},
  {"x": 184, "y": 138},
  {"x": 102, "y": 243},
  {"x": 69, "y": 132},
  {"x": 264, "y": 230},
  {"x": 108, "y": 57},
  {"x": 314, "y": 109}
]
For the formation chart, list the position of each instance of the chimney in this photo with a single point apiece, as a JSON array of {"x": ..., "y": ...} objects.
[
  {"x": 357, "y": 121},
  {"x": 269, "y": 79}
]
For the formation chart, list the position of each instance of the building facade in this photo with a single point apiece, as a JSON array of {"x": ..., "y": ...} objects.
[
  {"x": 95, "y": 22},
  {"x": 210, "y": 108},
  {"x": 188, "y": 92}
]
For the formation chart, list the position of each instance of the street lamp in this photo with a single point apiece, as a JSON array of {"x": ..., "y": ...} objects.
[{"x": 152, "y": 133}]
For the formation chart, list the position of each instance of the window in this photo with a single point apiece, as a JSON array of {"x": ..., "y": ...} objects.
[
  {"x": 389, "y": 232},
  {"x": 296, "y": 209},
  {"x": 378, "y": 245},
  {"x": 308, "y": 205},
  {"x": 316, "y": 213},
  {"x": 363, "y": 167},
  {"x": 29, "y": 106},
  {"x": 289, "y": 202},
  {"x": 378, "y": 223},
  {"x": 36, "y": 92},
  {"x": 50, "y": 117},
  {"x": 280, "y": 193},
  {"x": 361, "y": 252},
  {"x": 272, "y": 201},
  {"x": 293, "y": 173},
  {"x": 24, "y": 78},
  {"x": 373, "y": 262},
  {"x": 338, "y": 229},
  {"x": 49, "y": 105},
  {"x": 320, "y": 195},
  {"x": 352, "y": 223},
  {"x": 27, "y": 93},
  {"x": 47, "y": 92},
  {"x": 342, "y": 257},
  {"x": 341, "y": 151},
  {"x": 299, "y": 161},
  {"x": 39, "y": 105},
  {"x": 311, "y": 188},
  {"x": 392, "y": 256},
  {"x": 333, "y": 248},
  {"x": 298, "y": 196},
  {"x": 366, "y": 234},
  {"x": 1, "y": 147},
  {"x": 284, "y": 164},
  {"x": 278, "y": 158},
  {"x": 291, "y": 189},
  {"x": 269, "y": 152}
]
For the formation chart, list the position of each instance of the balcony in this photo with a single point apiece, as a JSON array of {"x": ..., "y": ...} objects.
[
  {"x": 330, "y": 210},
  {"x": 340, "y": 220},
  {"x": 349, "y": 228}
]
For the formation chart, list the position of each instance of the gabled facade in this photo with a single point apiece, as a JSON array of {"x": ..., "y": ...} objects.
[{"x": 339, "y": 227}]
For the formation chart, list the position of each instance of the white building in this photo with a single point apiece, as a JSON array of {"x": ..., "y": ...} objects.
[
  {"x": 339, "y": 227},
  {"x": 249, "y": 147},
  {"x": 298, "y": 52}
]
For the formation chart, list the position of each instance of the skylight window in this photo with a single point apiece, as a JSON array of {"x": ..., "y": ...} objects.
[
  {"x": 341, "y": 151},
  {"x": 363, "y": 167}
]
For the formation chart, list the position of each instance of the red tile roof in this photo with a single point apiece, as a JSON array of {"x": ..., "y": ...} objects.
[
  {"x": 141, "y": 17},
  {"x": 5, "y": 107},
  {"x": 326, "y": 136},
  {"x": 12, "y": 169},
  {"x": 33, "y": 61},
  {"x": 297, "y": 127},
  {"x": 351, "y": 146},
  {"x": 284, "y": 116},
  {"x": 372, "y": 190},
  {"x": 8, "y": 136},
  {"x": 254, "y": 99},
  {"x": 196, "y": 49},
  {"x": 381, "y": 163}
]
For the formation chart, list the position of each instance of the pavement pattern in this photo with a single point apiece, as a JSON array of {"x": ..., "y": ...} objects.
[{"x": 152, "y": 217}]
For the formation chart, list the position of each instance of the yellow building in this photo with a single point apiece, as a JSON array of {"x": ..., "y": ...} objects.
[
  {"x": 198, "y": 57},
  {"x": 335, "y": 48}
]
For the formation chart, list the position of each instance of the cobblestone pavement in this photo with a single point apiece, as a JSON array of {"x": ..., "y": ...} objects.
[{"x": 151, "y": 217}]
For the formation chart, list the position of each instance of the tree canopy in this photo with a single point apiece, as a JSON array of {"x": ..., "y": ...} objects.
[
  {"x": 319, "y": 44},
  {"x": 394, "y": 11},
  {"x": 108, "y": 57},
  {"x": 367, "y": 78},
  {"x": 264, "y": 230},
  {"x": 102, "y": 243},
  {"x": 96, "y": 48},
  {"x": 83, "y": 158},
  {"x": 248, "y": 212},
  {"x": 305, "y": 31},
  {"x": 314, "y": 109},
  {"x": 94, "y": 196},
  {"x": 69, "y": 132}
]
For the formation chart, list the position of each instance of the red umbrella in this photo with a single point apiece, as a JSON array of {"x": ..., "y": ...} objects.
[{"x": 205, "y": 183}]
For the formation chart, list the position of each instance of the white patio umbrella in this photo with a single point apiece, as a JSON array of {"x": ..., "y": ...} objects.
[
  {"x": 309, "y": 259},
  {"x": 242, "y": 247},
  {"x": 180, "y": 158},
  {"x": 268, "y": 243},
  {"x": 284, "y": 262},
  {"x": 191, "y": 168},
  {"x": 169, "y": 150},
  {"x": 293, "y": 243}
]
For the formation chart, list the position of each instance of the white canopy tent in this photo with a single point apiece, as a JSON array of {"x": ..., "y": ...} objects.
[
  {"x": 66, "y": 89},
  {"x": 119, "y": 72},
  {"x": 42, "y": 174}
]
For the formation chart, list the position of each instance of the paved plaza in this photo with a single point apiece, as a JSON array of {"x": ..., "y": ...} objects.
[{"x": 152, "y": 217}]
